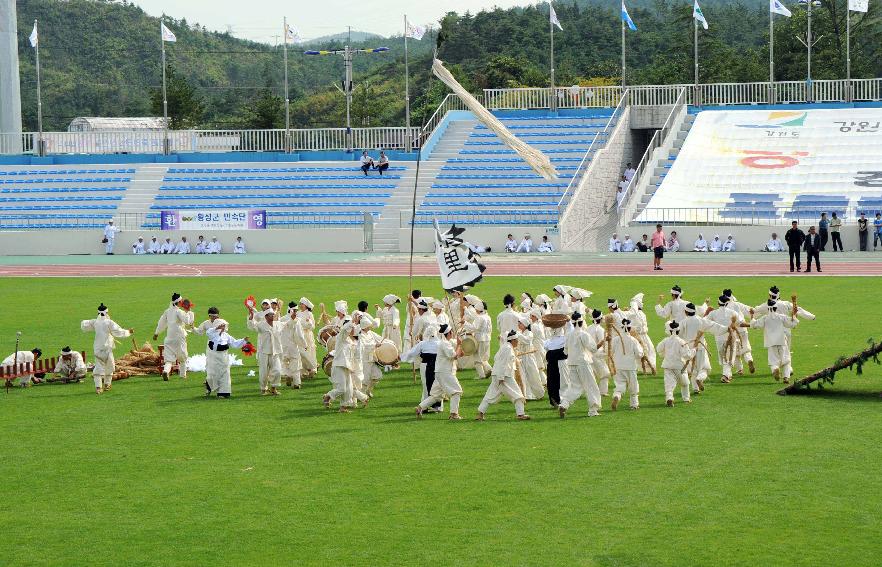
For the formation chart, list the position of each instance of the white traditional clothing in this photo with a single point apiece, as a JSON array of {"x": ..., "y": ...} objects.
[
  {"x": 239, "y": 246},
  {"x": 774, "y": 245},
  {"x": 368, "y": 342},
  {"x": 168, "y": 247},
  {"x": 174, "y": 322},
  {"x": 531, "y": 378},
  {"x": 728, "y": 343},
  {"x": 673, "y": 245},
  {"x": 776, "y": 327},
  {"x": 716, "y": 244},
  {"x": 71, "y": 369},
  {"x": 640, "y": 329},
  {"x": 342, "y": 369},
  {"x": 692, "y": 329},
  {"x": 599, "y": 365},
  {"x": 217, "y": 361},
  {"x": 700, "y": 244},
  {"x": 183, "y": 247},
  {"x": 109, "y": 235},
  {"x": 214, "y": 247},
  {"x": 154, "y": 247},
  {"x": 615, "y": 245},
  {"x": 105, "y": 330},
  {"x": 545, "y": 246},
  {"x": 511, "y": 245},
  {"x": 269, "y": 351},
  {"x": 506, "y": 322},
  {"x": 138, "y": 247},
  {"x": 481, "y": 327},
  {"x": 673, "y": 310},
  {"x": 20, "y": 357},
  {"x": 626, "y": 354},
  {"x": 446, "y": 383},
  {"x": 628, "y": 245},
  {"x": 729, "y": 245},
  {"x": 675, "y": 354},
  {"x": 293, "y": 343},
  {"x": 391, "y": 319},
  {"x": 525, "y": 246},
  {"x": 502, "y": 381},
  {"x": 308, "y": 361},
  {"x": 201, "y": 246},
  {"x": 425, "y": 353},
  {"x": 580, "y": 348}
]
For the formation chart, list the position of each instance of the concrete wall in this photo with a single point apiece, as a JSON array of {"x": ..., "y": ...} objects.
[
  {"x": 424, "y": 238},
  {"x": 65, "y": 242},
  {"x": 747, "y": 238},
  {"x": 596, "y": 193},
  {"x": 649, "y": 117}
]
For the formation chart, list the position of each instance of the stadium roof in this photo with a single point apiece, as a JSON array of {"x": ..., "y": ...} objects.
[{"x": 89, "y": 124}]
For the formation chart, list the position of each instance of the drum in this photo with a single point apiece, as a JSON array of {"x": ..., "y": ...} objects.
[
  {"x": 327, "y": 364},
  {"x": 326, "y": 333},
  {"x": 386, "y": 353},
  {"x": 555, "y": 321},
  {"x": 469, "y": 345}
]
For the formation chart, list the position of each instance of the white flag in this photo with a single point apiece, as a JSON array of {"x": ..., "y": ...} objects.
[
  {"x": 776, "y": 7},
  {"x": 291, "y": 35},
  {"x": 553, "y": 16},
  {"x": 415, "y": 31},
  {"x": 858, "y": 5},
  {"x": 459, "y": 267},
  {"x": 167, "y": 34},
  {"x": 698, "y": 14},
  {"x": 33, "y": 37}
]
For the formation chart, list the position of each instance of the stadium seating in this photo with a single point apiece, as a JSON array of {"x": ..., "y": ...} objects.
[
  {"x": 481, "y": 182},
  {"x": 740, "y": 166},
  {"x": 60, "y": 197}
]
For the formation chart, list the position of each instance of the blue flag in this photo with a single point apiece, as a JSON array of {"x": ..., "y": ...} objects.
[{"x": 627, "y": 18}]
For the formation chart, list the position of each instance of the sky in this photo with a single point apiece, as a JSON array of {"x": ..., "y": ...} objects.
[{"x": 261, "y": 20}]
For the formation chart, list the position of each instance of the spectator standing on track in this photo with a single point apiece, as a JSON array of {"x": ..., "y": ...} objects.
[
  {"x": 813, "y": 247},
  {"x": 835, "y": 225},
  {"x": 862, "y": 231},
  {"x": 658, "y": 247},
  {"x": 877, "y": 230},
  {"x": 794, "y": 238},
  {"x": 109, "y": 237},
  {"x": 823, "y": 231}
]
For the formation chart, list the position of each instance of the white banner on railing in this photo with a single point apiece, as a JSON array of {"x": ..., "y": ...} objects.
[{"x": 223, "y": 219}]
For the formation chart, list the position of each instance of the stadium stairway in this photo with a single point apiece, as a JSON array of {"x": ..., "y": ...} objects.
[
  {"x": 400, "y": 205},
  {"x": 664, "y": 164},
  {"x": 143, "y": 190}
]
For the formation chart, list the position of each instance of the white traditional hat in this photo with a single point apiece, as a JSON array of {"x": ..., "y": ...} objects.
[
  {"x": 341, "y": 306},
  {"x": 437, "y": 305},
  {"x": 473, "y": 300},
  {"x": 391, "y": 299},
  {"x": 542, "y": 299},
  {"x": 637, "y": 300},
  {"x": 267, "y": 301},
  {"x": 524, "y": 320},
  {"x": 562, "y": 289},
  {"x": 536, "y": 312},
  {"x": 366, "y": 323},
  {"x": 268, "y": 312},
  {"x": 306, "y": 302},
  {"x": 579, "y": 293},
  {"x": 512, "y": 335}
]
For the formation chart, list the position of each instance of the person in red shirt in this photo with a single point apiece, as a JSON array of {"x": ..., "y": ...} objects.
[{"x": 658, "y": 247}]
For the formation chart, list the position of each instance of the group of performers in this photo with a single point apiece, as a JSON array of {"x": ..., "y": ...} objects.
[{"x": 554, "y": 345}]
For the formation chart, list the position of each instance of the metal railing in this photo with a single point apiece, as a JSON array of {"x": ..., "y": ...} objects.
[
  {"x": 512, "y": 217},
  {"x": 757, "y": 216},
  {"x": 450, "y": 102},
  {"x": 582, "y": 169},
  {"x": 721, "y": 94},
  {"x": 626, "y": 206}
]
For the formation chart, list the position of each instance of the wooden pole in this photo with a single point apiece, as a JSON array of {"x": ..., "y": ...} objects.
[{"x": 865, "y": 354}]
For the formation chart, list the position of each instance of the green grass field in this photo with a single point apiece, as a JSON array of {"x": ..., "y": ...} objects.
[{"x": 152, "y": 473}]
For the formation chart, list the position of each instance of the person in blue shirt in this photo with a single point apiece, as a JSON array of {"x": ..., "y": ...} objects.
[
  {"x": 823, "y": 226},
  {"x": 877, "y": 230}
]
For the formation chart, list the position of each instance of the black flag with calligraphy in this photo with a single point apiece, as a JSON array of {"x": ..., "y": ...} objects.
[{"x": 459, "y": 267}]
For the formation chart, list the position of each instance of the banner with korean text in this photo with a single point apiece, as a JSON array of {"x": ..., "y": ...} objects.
[{"x": 221, "y": 219}]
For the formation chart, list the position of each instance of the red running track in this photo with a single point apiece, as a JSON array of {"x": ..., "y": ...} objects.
[{"x": 844, "y": 268}]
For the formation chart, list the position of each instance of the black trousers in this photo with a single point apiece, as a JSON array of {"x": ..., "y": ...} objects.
[
  {"x": 553, "y": 357},
  {"x": 817, "y": 256},
  {"x": 429, "y": 360},
  {"x": 795, "y": 255},
  {"x": 824, "y": 237},
  {"x": 863, "y": 234},
  {"x": 837, "y": 240}
]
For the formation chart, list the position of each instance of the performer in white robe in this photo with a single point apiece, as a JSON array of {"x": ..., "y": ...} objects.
[
  {"x": 700, "y": 244},
  {"x": 539, "y": 334},
  {"x": 615, "y": 245},
  {"x": 728, "y": 343},
  {"x": 626, "y": 354},
  {"x": 168, "y": 247},
  {"x": 391, "y": 320},
  {"x": 70, "y": 366},
  {"x": 507, "y": 320},
  {"x": 745, "y": 353},
  {"x": 239, "y": 246},
  {"x": 105, "y": 330},
  {"x": 183, "y": 246},
  {"x": 110, "y": 237},
  {"x": 640, "y": 327},
  {"x": 675, "y": 309},
  {"x": 628, "y": 244},
  {"x": 580, "y": 348},
  {"x": 774, "y": 244},
  {"x": 293, "y": 343},
  {"x": 217, "y": 363},
  {"x": 441, "y": 317},
  {"x": 531, "y": 379},
  {"x": 675, "y": 354},
  {"x": 577, "y": 303},
  {"x": 526, "y": 245},
  {"x": 425, "y": 354},
  {"x": 729, "y": 244},
  {"x": 561, "y": 303},
  {"x": 269, "y": 350},
  {"x": 138, "y": 248},
  {"x": 511, "y": 244},
  {"x": 174, "y": 321},
  {"x": 369, "y": 340},
  {"x": 425, "y": 319},
  {"x": 342, "y": 368},
  {"x": 543, "y": 302},
  {"x": 502, "y": 380},
  {"x": 775, "y": 326},
  {"x": 716, "y": 244},
  {"x": 446, "y": 384},
  {"x": 308, "y": 362},
  {"x": 599, "y": 365},
  {"x": 481, "y": 327},
  {"x": 22, "y": 357},
  {"x": 411, "y": 314},
  {"x": 692, "y": 329},
  {"x": 154, "y": 247},
  {"x": 202, "y": 330}
]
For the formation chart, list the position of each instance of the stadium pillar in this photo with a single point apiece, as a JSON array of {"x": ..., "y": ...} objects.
[{"x": 10, "y": 93}]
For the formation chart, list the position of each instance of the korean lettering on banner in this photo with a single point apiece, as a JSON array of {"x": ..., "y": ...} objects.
[
  {"x": 863, "y": 127},
  {"x": 230, "y": 219},
  {"x": 170, "y": 220}
]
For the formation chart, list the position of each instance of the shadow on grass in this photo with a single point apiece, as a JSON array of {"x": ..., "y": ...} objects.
[{"x": 851, "y": 396}]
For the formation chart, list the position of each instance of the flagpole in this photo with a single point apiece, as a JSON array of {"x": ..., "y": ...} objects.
[
  {"x": 624, "y": 79},
  {"x": 553, "y": 93},
  {"x": 849, "y": 97},
  {"x": 771, "y": 57},
  {"x": 287, "y": 99},
  {"x": 695, "y": 25},
  {"x": 164, "y": 95},
  {"x": 407, "y": 138},
  {"x": 39, "y": 97}
]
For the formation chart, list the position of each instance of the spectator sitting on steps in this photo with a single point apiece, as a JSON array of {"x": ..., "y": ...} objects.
[
  {"x": 615, "y": 245},
  {"x": 383, "y": 164},
  {"x": 644, "y": 245},
  {"x": 673, "y": 242},
  {"x": 729, "y": 245},
  {"x": 774, "y": 244},
  {"x": 545, "y": 245},
  {"x": 511, "y": 244},
  {"x": 367, "y": 162},
  {"x": 700, "y": 244},
  {"x": 628, "y": 244}
]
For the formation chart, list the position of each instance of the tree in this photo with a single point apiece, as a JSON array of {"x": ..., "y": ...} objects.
[
  {"x": 265, "y": 112},
  {"x": 185, "y": 107}
]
